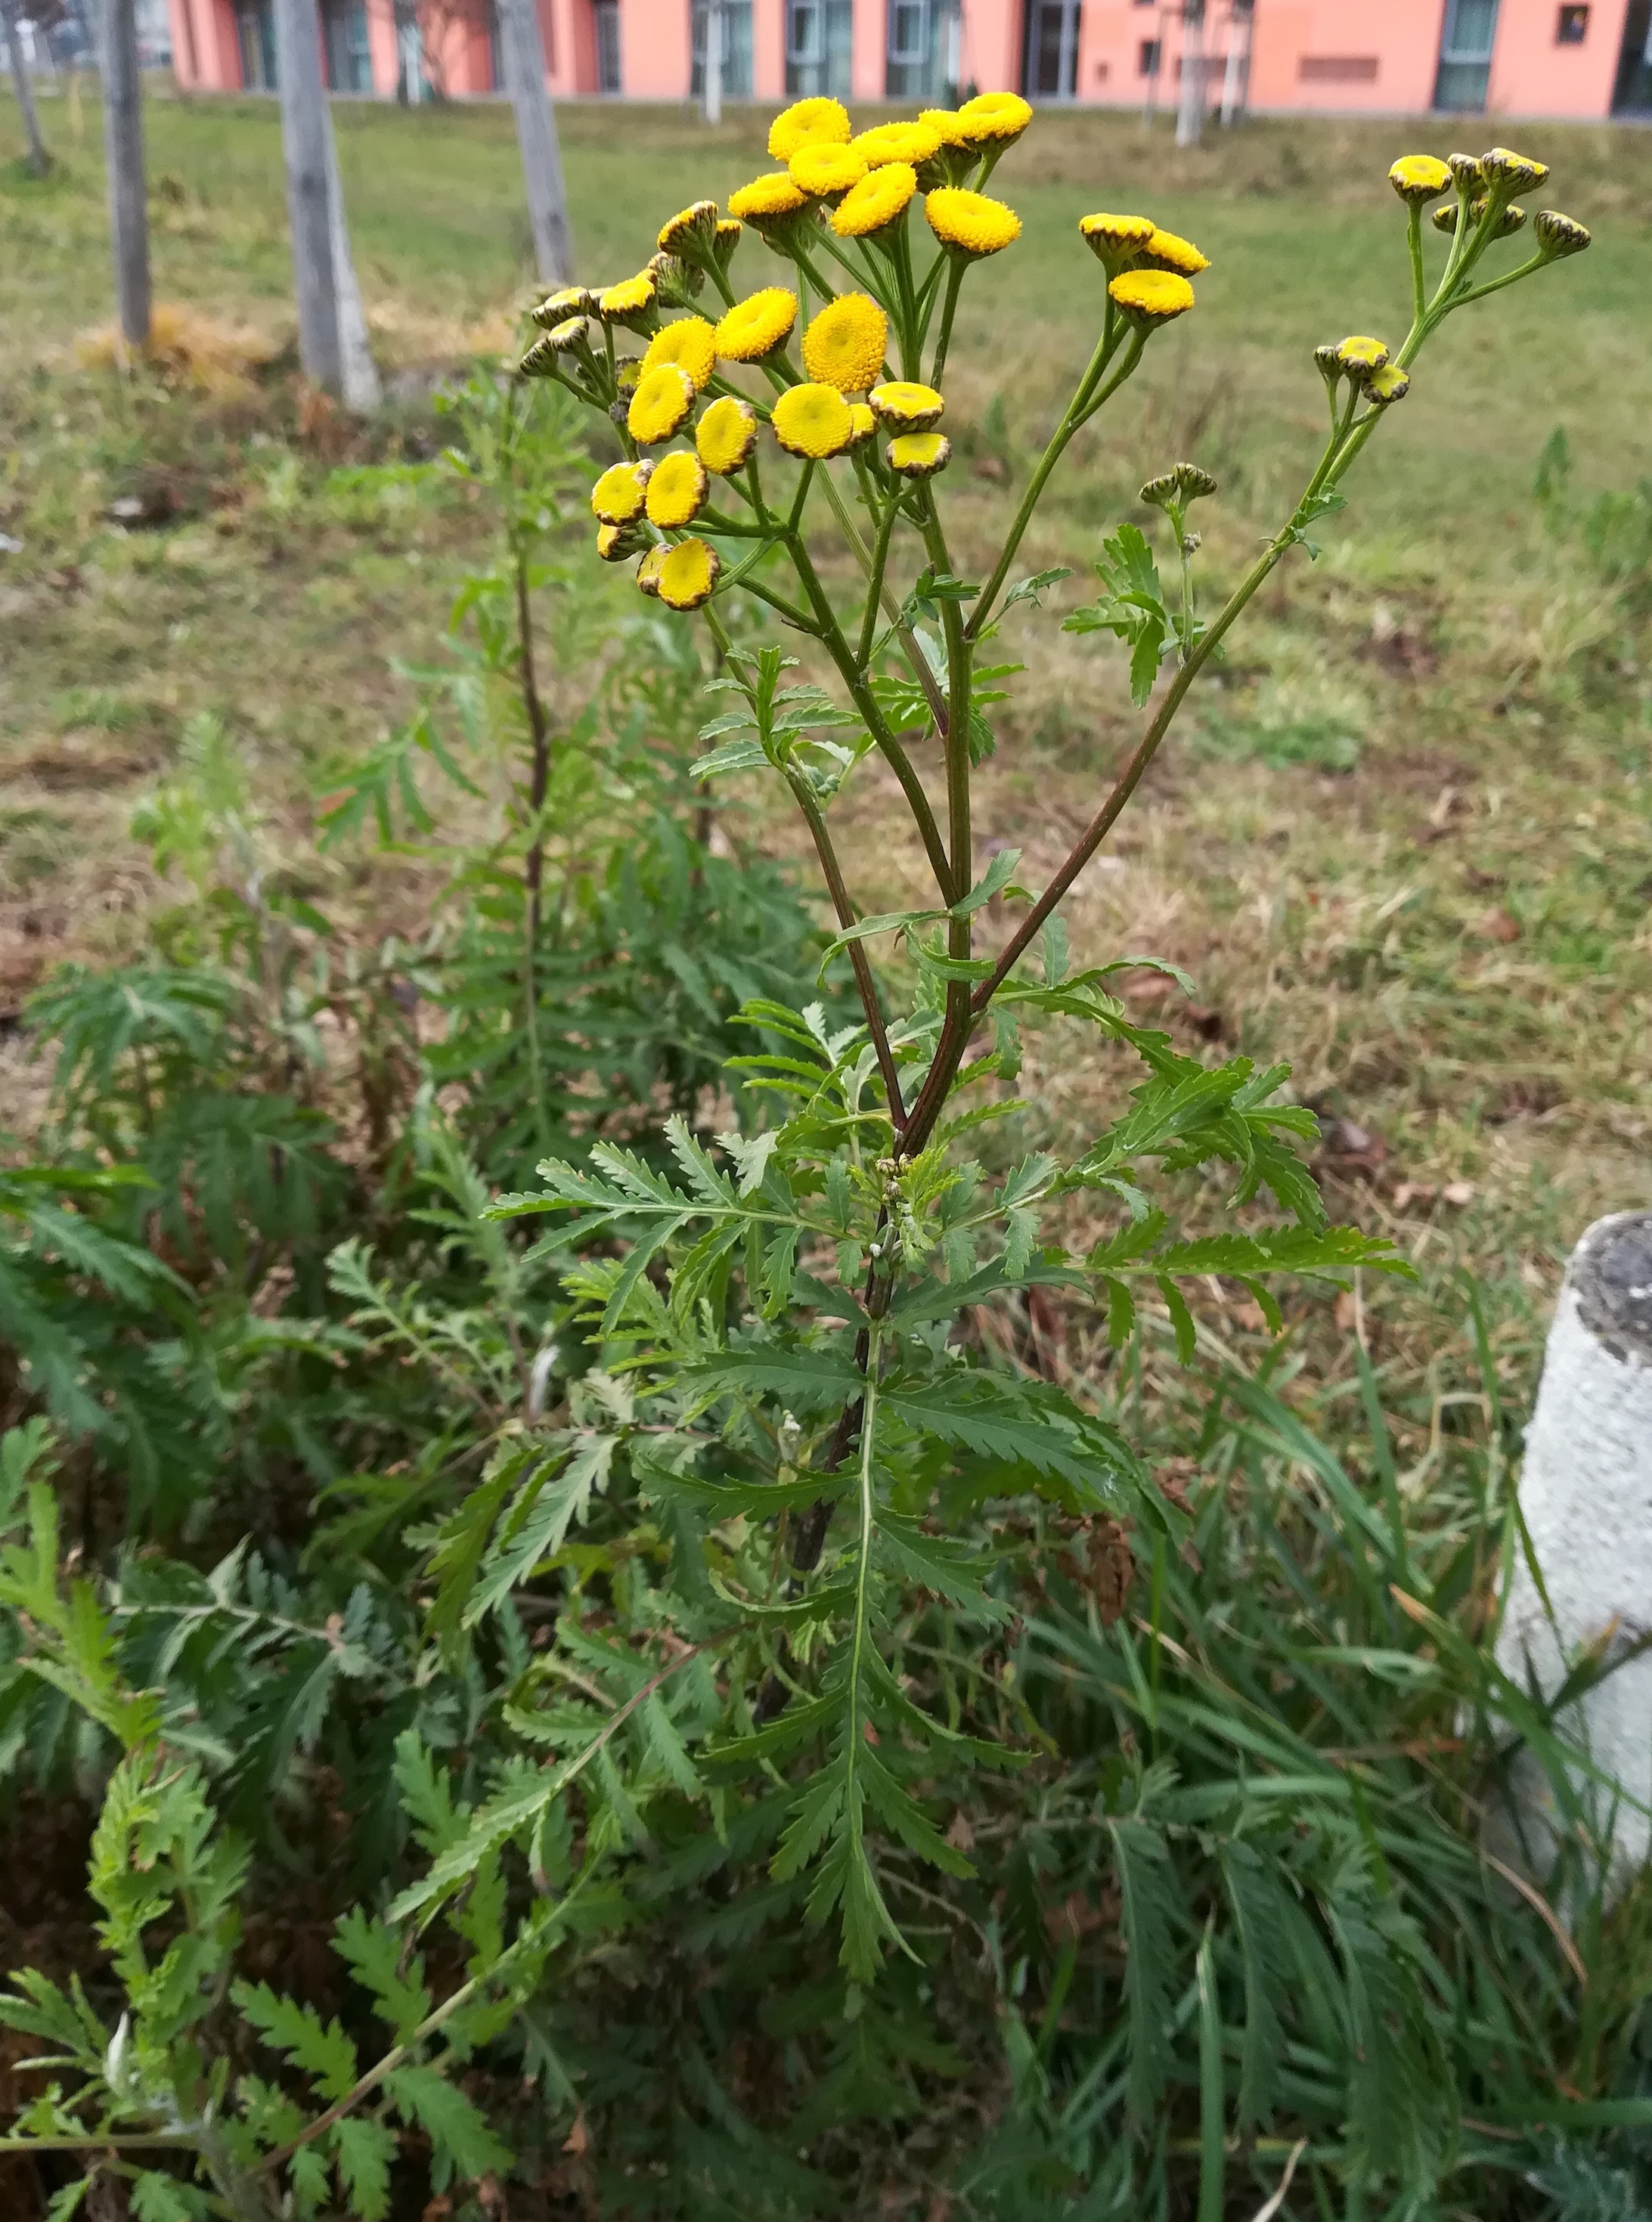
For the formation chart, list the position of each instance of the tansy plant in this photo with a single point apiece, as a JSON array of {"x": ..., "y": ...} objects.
[
  {"x": 782, "y": 1316},
  {"x": 733, "y": 1591}
]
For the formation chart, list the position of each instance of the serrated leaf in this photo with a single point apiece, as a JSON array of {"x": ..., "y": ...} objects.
[
  {"x": 365, "y": 2152},
  {"x": 447, "y": 2117}
]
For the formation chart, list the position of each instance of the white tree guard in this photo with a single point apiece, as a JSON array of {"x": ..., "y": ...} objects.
[{"x": 1586, "y": 1495}]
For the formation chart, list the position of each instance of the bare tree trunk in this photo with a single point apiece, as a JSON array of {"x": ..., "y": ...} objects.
[
  {"x": 128, "y": 212},
  {"x": 305, "y": 131},
  {"x": 1190, "y": 115},
  {"x": 39, "y": 160},
  {"x": 523, "y": 54},
  {"x": 358, "y": 372},
  {"x": 712, "y": 91}
]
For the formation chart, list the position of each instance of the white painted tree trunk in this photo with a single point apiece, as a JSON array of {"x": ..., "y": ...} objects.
[
  {"x": 1585, "y": 1494},
  {"x": 1236, "y": 70},
  {"x": 1189, "y": 115},
  {"x": 128, "y": 211},
  {"x": 711, "y": 92},
  {"x": 39, "y": 160},
  {"x": 522, "y": 52},
  {"x": 359, "y": 375},
  {"x": 305, "y": 135}
]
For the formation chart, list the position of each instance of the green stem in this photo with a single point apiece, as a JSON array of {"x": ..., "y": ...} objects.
[
  {"x": 874, "y": 579},
  {"x": 1332, "y": 466},
  {"x": 954, "y": 282},
  {"x": 848, "y": 916},
  {"x": 1419, "y": 276},
  {"x": 1077, "y": 413},
  {"x": 831, "y": 635}
]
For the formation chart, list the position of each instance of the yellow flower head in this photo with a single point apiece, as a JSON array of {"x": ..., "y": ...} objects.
[
  {"x": 971, "y": 224},
  {"x": 1391, "y": 383},
  {"x": 628, "y": 301},
  {"x": 919, "y": 454},
  {"x": 1503, "y": 169},
  {"x": 808, "y": 124},
  {"x": 616, "y": 542},
  {"x": 728, "y": 237},
  {"x": 898, "y": 142},
  {"x": 1420, "y": 178},
  {"x": 1165, "y": 251},
  {"x": 677, "y": 490},
  {"x": 726, "y": 436},
  {"x": 1361, "y": 353},
  {"x": 843, "y": 345},
  {"x": 768, "y": 198},
  {"x": 618, "y": 496},
  {"x": 947, "y": 124},
  {"x": 691, "y": 344},
  {"x": 813, "y": 420},
  {"x": 660, "y": 404},
  {"x": 648, "y": 571},
  {"x": 905, "y": 406},
  {"x": 695, "y": 227},
  {"x": 568, "y": 301},
  {"x": 1152, "y": 297},
  {"x": 994, "y": 119},
  {"x": 687, "y": 575},
  {"x": 879, "y": 200},
  {"x": 1557, "y": 234},
  {"x": 862, "y": 423},
  {"x": 754, "y": 328},
  {"x": 825, "y": 172},
  {"x": 1115, "y": 240}
]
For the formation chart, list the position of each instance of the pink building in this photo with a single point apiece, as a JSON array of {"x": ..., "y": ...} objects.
[{"x": 1502, "y": 58}]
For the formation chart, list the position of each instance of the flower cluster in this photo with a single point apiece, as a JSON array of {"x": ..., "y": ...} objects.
[{"x": 872, "y": 318}]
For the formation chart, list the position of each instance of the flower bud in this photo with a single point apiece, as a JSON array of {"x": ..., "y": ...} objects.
[
  {"x": 1505, "y": 170},
  {"x": 1329, "y": 362},
  {"x": 1159, "y": 492},
  {"x": 1466, "y": 173},
  {"x": 1360, "y": 353},
  {"x": 569, "y": 301},
  {"x": 1388, "y": 383},
  {"x": 1557, "y": 234},
  {"x": 691, "y": 231},
  {"x": 676, "y": 282},
  {"x": 1194, "y": 482}
]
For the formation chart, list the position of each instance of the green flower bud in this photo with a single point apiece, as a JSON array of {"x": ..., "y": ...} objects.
[
  {"x": 1194, "y": 482},
  {"x": 1503, "y": 169},
  {"x": 1466, "y": 171},
  {"x": 1557, "y": 234},
  {"x": 1159, "y": 492}
]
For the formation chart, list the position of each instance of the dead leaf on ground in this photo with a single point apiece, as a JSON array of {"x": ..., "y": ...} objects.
[{"x": 1496, "y": 925}]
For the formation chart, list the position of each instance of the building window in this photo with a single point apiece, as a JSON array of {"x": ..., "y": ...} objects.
[
  {"x": 819, "y": 41},
  {"x": 350, "y": 60},
  {"x": 1465, "y": 55},
  {"x": 1572, "y": 28},
  {"x": 255, "y": 34},
  {"x": 737, "y": 50},
  {"x": 1050, "y": 68},
  {"x": 921, "y": 61},
  {"x": 1149, "y": 54},
  {"x": 606, "y": 13},
  {"x": 1337, "y": 69}
]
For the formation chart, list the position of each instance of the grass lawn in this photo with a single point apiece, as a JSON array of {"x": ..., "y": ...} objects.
[{"x": 1403, "y": 841}]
